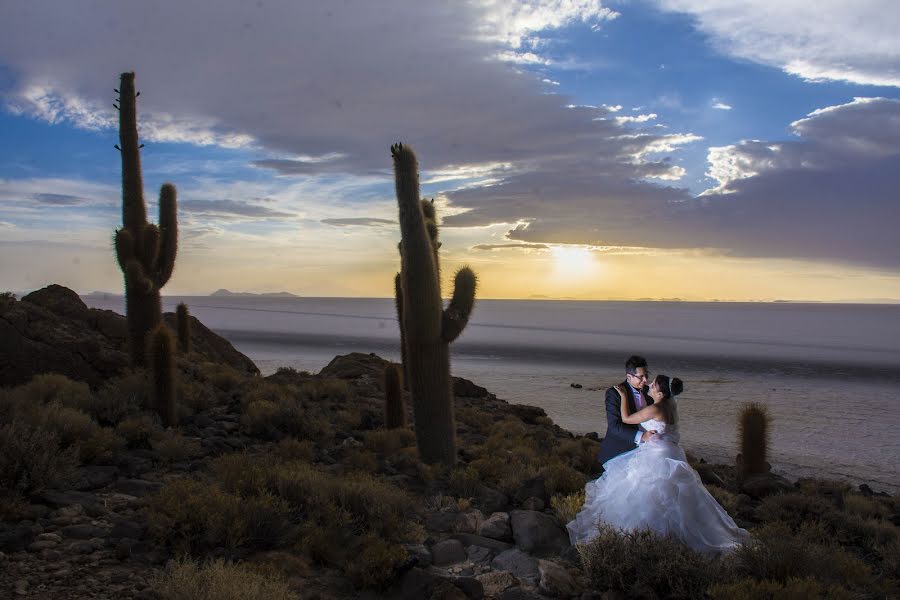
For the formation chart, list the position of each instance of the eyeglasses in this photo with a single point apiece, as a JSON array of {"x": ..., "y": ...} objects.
[{"x": 636, "y": 376}]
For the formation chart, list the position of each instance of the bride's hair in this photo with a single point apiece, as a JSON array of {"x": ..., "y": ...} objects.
[{"x": 671, "y": 388}]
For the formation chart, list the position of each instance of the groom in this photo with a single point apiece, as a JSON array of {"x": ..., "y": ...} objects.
[{"x": 621, "y": 437}]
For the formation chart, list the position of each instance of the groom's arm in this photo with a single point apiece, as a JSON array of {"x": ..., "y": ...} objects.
[{"x": 614, "y": 425}]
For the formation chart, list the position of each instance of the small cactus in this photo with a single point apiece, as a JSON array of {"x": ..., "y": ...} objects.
[
  {"x": 145, "y": 252},
  {"x": 183, "y": 323},
  {"x": 427, "y": 328},
  {"x": 754, "y": 432},
  {"x": 161, "y": 358},
  {"x": 394, "y": 410}
]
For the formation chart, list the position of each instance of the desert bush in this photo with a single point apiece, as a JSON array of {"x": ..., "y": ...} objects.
[
  {"x": 273, "y": 412},
  {"x": 475, "y": 419},
  {"x": 195, "y": 396},
  {"x": 374, "y": 505},
  {"x": 140, "y": 431},
  {"x": 33, "y": 458},
  {"x": 326, "y": 545},
  {"x": 867, "y": 508},
  {"x": 186, "y": 579},
  {"x": 174, "y": 447},
  {"x": 375, "y": 562},
  {"x": 119, "y": 398},
  {"x": 224, "y": 378},
  {"x": 242, "y": 473},
  {"x": 387, "y": 442},
  {"x": 328, "y": 388},
  {"x": 794, "y": 509},
  {"x": 102, "y": 445},
  {"x": 822, "y": 487},
  {"x": 70, "y": 425},
  {"x": 197, "y": 517},
  {"x": 50, "y": 387},
  {"x": 580, "y": 454},
  {"x": 726, "y": 499},
  {"x": 794, "y": 589},
  {"x": 853, "y": 529},
  {"x": 566, "y": 507},
  {"x": 464, "y": 482},
  {"x": 347, "y": 418},
  {"x": 290, "y": 449},
  {"x": 641, "y": 564},
  {"x": 778, "y": 553},
  {"x": 360, "y": 459},
  {"x": 562, "y": 479}
]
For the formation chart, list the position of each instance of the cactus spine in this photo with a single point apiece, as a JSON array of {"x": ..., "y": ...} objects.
[
  {"x": 183, "y": 323},
  {"x": 428, "y": 329},
  {"x": 161, "y": 357},
  {"x": 754, "y": 432},
  {"x": 394, "y": 411},
  {"x": 145, "y": 252}
]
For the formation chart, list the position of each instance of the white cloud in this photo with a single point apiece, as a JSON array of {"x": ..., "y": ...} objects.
[
  {"x": 636, "y": 119},
  {"x": 721, "y": 106},
  {"x": 513, "y": 23},
  {"x": 830, "y": 39}
]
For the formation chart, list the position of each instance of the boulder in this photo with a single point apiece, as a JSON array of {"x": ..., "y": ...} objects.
[
  {"x": 496, "y": 582},
  {"x": 496, "y": 527},
  {"x": 765, "y": 484},
  {"x": 555, "y": 580},
  {"x": 448, "y": 552},
  {"x": 516, "y": 562},
  {"x": 538, "y": 533}
]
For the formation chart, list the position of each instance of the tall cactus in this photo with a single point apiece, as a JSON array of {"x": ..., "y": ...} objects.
[
  {"x": 161, "y": 357},
  {"x": 427, "y": 327},
  {"x": 183, "y": 324},
  {"x": 394, "y": 411},
  {"x": 145, "y": 252},
  {"x": 754, "y": 433}
]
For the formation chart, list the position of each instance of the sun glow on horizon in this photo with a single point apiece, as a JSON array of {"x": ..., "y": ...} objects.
[{"x": 573, "y": 261}]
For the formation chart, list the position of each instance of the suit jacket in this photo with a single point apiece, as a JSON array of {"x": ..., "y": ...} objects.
[{"x": 619, "y": 436}]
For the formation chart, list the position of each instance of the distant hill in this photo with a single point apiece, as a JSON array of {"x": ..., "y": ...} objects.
[{"x": 229, "y": 294}]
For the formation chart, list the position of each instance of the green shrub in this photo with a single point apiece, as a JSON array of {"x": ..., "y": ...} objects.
[
  {"x": 174, "y": 447},
  {"x": 794, "y": 509},
  {"x": 465, "y": 482},
  {"x": 52, "y": 387},
  {"x": 726, "y": 499},
  {"x": 641, "y": 564},
  {"x": 198, "y": 517},
  {"x": 196, "y": 396},
  {"x": 102, "y": 445},
  {"x": 566, "y": 507},
  {"x": 580, "y": 454},
  {"x": 140, "y": 431},
  {"x": 119, "y": 398},
  {"x": 185, "y": 579},
  {"x": 387, "y": 442},
  {"x": 867, "y": 508},
  {"x": 32, "y": 459},
  {"x": 562, "y": 479},
  {"x": 374, "y": 563}
]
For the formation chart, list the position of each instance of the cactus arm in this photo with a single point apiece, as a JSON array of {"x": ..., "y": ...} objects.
[
  {"x": 149, "y": 247},
  {"x": 456, "y": 315},
  {"x": 135, "y": 279},
  {"x": 124, "y": 243},
  {"x": 134, "y": 212},
  {"x": 168, "y": 226},
  {"x": 161, "y": 357}
]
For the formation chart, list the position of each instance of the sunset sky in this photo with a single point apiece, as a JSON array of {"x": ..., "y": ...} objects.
[{"x": 693, "y": 149}]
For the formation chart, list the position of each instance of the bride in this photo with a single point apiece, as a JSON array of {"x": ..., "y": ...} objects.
[{"x": 654, "y": 487}]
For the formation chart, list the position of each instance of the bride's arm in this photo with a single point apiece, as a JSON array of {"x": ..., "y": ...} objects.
[{"x": 648, "y": 412}]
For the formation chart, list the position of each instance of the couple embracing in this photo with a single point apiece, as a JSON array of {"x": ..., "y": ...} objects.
[{"x": 647, "y": 481}]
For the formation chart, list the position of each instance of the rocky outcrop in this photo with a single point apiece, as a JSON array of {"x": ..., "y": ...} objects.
[{"x": 51, "y": 330}]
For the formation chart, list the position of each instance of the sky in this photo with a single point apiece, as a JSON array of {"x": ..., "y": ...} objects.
[{"x": 729, "y": 150}]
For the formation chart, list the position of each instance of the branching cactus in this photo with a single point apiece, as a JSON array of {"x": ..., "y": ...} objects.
[
  {"x": 161, "y": 357},
  {"x": 394, "y": 411},
  {"x": 146, "y": 252},
  {"x": 428, "y": 329},
  {"x": 754, "y": 431},
  {"x": 183, "y": 323}
]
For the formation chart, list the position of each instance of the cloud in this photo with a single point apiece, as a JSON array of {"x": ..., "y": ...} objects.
[
  {"x": 358, "y": 221},
  {"x": 636, "y": 118},
  {"x": 511, "y": 246},
  {"x": 230, "y": 209},
  {"x": 833, "y": 40},
  {"x": 57, "y": 199},
  {"x": 721, "y": 106}
]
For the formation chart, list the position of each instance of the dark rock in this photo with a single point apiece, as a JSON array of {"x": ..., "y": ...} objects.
[
  {"x": 496, "y": 582},
  {"x": 137, "y": 487},
  {"x": 518, "y": 563},
  {"x": 555, "y": 580},
  {"x": 496, "y": 527},
  {"x": 463, "y": 388},
  {"x": 442, "y": 522},
  {"x": 532, "y": 488},
  {"x": 448, "y": 552},
  {"x": 94, "y": 477},
  {"x": 538, "y": 533},
  {"x": 420, "y": 552},
  {"x": 83, "y": 531},
  {"x": 59, "y": 499},
  {"x": 128, "y": 529},
  {"x": 354, "y": 366},
  {"x": 16, "y": 539},
  {"x": 533, "y": 503},
  {"x": 527, "y": 413},
  {"x": 709, "y": 475},
  {"x": 478, "y": 554},
  {"x": 82, "y": 547},
  {"x": 577, "y": 386},
  {"x": 764, "y": 484},
  {"x": 518, "y": 593},
  {"x": 593, "y": 435},
  {"x": 490, "y": 500},
  {"x": 470, "y": 539}
]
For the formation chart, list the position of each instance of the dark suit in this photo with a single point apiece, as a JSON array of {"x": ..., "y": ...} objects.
[{"x": 619, "y": 436}]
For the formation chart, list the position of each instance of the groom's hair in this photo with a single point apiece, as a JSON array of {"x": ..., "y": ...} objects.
[{"x": 635, "y": 362}]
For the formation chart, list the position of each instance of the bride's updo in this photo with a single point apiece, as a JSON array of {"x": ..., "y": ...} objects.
[{"x": 671, "y": 388}]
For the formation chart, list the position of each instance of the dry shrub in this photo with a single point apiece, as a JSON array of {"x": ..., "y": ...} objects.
[
  {"x": 375, "y": 562},
  {"x": 794, "y": 589},
  {"x": 241, "y": 473},
  {"x": 347, "y": 418},
  {"x": 867, "y": 533},
  {"x": 101, "y": 446},
  {"x": 32, "y": 459},
  {"x": 328, "y": 388},
  {"x": 374, "y": 505},
  {"x": 777, "y": 553},
  {"x": 218, "y": 580},
  {"x": 566, "y": 507},
  {"x": 360, "y": 459},
  {"x": 225, "y": 379},
  {"x": 477, "y": 420},
  {"x": 119, "y": 398},
  {"x": 13, "y": 507},
  {"x": 195, "y": 396},
  {"x": 140, "y": 431},
  {"x": 562, "y": 479},
  {"x": 326, "y": 545},
  {"x": 726, "y": 499},
  {"x": 641, "y": 564},
  {"x": 464, "y": 482},
  {"x": 69, "y": 424},
  {"x": 272, "y": 412},
  {"x": 580, "y": 454},
  {"x": 387, "y": 442},
  {"x": 794, "y": 509},
  {"x": 822, "y": 487},
  {"x": 867, "y": 508},
  {"x": 198, "y": 517},
  {"x": 52, "y": 387},
  {"x": 290, "y": 449},
  {"x": 174, "y": 447}
]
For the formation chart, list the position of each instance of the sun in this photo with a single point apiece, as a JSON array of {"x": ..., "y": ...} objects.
[{"x": 570, "y": 261}]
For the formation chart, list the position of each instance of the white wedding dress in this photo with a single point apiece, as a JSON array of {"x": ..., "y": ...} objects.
[{"x": 654, "y": 487}]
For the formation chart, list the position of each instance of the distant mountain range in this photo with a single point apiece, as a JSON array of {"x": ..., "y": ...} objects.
[{"x": 224, "y": 292}]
